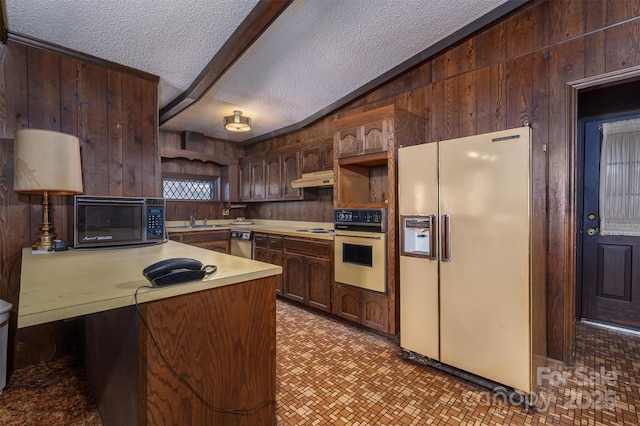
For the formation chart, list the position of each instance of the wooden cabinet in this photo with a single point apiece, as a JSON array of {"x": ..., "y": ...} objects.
[
  {"x": 210, "y": 240},
  {"x": 258, "y": 180},
  {"x": 269, "y": 178},
  {"x": 366, "y": 138},
  {"x": 318, "y": 157},
  {"x": 290, "y": 172},
  {"x": 268, "y": 248},
  {"x": 364, "y": 307},
  {"x": 326, "y": 156},
  {"x": 308, "y": 271},
  {"x": 311, "y": 159},
  {"x": 244, "y": 181},
  {"x": 366, "y": 145},
  {"x": 348, "y": 303},
  {"x": 296, "y": 278},
  {"x": 272, "y": 177}
]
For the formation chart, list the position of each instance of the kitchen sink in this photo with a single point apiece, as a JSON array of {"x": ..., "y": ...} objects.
[{"x": 191, "y": 227}]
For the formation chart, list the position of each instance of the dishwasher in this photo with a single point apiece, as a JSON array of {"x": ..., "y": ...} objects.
[{"x": 241, "y": 243}]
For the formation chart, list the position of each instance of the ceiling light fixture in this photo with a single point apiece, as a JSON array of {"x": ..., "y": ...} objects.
[{"x": 237, "y": 123}]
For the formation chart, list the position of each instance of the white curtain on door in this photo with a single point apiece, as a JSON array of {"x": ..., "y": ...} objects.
[{"x": 620, "y": 178}]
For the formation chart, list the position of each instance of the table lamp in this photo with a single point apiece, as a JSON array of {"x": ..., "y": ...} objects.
[{"x": 48, "y": 163}]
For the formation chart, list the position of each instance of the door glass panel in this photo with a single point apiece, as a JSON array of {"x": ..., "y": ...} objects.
[{"x": 620, "y": 178}]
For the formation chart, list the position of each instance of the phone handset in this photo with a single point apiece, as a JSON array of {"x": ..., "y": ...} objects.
[{"x": 177, "y": 270}]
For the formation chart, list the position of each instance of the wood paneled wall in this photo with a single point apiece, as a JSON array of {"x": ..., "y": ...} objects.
[
  {"x": 509, "y": 74},
  {"x": 114, "y": 113},
  {"x": 182, "y": 210},
  {"x": 513, "y": 72}
]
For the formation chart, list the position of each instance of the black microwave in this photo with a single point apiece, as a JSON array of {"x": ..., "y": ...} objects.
[{"x": 117, "y": 221}]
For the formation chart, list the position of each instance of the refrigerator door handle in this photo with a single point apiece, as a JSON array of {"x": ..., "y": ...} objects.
[
  {"x": 433, "y": 239},
  {"x": 446, "y": 237}
]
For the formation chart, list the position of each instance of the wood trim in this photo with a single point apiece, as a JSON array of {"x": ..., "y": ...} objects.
[
  {"x": 3, "y": 22},
  {"x": 573, "y": 90},
  {"x": 258, "y": 20},
  {"x": 166, "y": 152},
  {"x": 40, "y": 44}
]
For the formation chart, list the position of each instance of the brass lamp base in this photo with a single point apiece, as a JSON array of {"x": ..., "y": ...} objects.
[{"x": 48, "y": 235}]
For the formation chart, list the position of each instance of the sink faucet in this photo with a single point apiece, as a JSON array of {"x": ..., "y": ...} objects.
[{"x": 192, "y": 218}]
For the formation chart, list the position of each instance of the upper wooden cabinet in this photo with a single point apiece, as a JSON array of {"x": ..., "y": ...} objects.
[
  {"x": 290, "y": 172},
  {"x": 365, "y": 138},
  {"x": 365, "y": 145},
  {"x": 268, "y": 178},
  {"x": 272, "y": 179},
  {"x": 319, "y": 156}
]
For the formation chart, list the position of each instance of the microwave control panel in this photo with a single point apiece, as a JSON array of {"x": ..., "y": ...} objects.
[{"x": 155, "y": 219}]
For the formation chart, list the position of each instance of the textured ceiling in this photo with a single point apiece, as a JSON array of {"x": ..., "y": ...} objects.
[{"x": 315, "y": 53}]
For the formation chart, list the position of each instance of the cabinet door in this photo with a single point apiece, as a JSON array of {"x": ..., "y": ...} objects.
[
  {"x": 347, "y": 303},
  {"x": 244, "y": 182},
  {"x": 319, "y": 282},
  {"x": 272, "y": 178},
  {"x": 257, "y": 180},
  {"x": 295, "y": 285},
  {"x": 349, "y": 142},
  {"x": 260, "y": 254},
  {"x": 311, "y": 159},
  {"x": 290, "y": 172},
  {"x": 375, "y": 312},
  {"x": 326, "y": 157},
  {"x": 275, "y": 258},
  {"x": 376, "y": 136}
]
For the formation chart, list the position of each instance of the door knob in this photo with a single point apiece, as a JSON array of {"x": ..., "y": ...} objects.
[{"x": 592, "y": 231}]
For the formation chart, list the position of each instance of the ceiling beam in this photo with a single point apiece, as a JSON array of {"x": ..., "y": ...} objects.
[
  {"x": 258, "y": 20},
  {"x": 3, "y": 22}
]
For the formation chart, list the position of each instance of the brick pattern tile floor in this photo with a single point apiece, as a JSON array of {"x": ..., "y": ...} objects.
[{"x": 332, "y": 373}]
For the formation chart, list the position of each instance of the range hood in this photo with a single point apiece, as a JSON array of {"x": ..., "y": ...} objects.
[{"x": 315, "y": 179}]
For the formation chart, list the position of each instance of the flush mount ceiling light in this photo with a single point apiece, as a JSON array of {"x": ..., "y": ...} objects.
[{"x": 237, "y": 123}]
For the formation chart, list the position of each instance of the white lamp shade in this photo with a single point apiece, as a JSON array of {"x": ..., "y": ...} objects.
[{"x": 45, "y": 160}]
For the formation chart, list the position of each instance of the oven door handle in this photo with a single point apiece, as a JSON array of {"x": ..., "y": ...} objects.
[{"x": 371, "y": 237}]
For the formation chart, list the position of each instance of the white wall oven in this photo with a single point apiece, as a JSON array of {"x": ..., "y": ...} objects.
[{"x": 361, "y": 248}]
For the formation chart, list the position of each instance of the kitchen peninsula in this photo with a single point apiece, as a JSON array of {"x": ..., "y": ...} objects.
[{"x": 195, "y": 353}]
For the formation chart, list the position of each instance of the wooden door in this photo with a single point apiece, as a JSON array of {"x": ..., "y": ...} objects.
[
  {"x": 610, "y": 281},
  {"x": 290, "y": 172},
  {"x": 244, "y": 182},
  {"x": 272, "y": 177},
  {"x": 257, "y": 180},
  {"x": 275, "y": 258},
  {"x": 295, "y": 280},
  {"x": 319, "y": 280},
  {"x": 311, "y": 160}
]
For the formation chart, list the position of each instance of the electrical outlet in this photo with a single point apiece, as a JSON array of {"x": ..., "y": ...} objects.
[
  {"x": 268, "y": 213},
  {"x": 225, "y": 212}
]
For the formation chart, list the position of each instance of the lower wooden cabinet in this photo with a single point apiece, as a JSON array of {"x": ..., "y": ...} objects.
[
  {"x": 307, "y": 267},
  {"x": 308, "y": 271},
  {"x": 268, "y": 248},
  {"x": 296, "y": 278},
  {"x": 210, "y": 240},
  {"x": 362, "y": 306}
]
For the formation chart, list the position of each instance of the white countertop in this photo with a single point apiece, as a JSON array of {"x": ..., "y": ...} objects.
[{"x": 61, "y": 285}]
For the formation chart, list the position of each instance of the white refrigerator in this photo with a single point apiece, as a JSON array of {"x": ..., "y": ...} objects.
[{"x": 466, "y": 296}]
